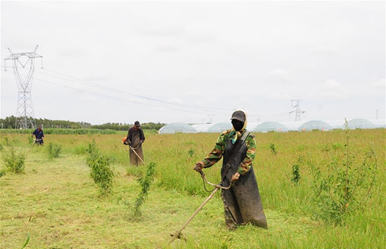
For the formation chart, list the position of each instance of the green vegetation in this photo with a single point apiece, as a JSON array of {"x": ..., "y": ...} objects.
[
  {"x": 60, "y": 131},
  {"x": 101, "y": 172},
  {"x": 145, "y": 182},
  {"x": 54, "y": 150},
  {"x": 13, "y": 160},
  {"x": 10, "y": 123},
  {"x": 273, "y": 149},
  {"x": 55, "y": 203},
  {"x": 345, "y": 187}
]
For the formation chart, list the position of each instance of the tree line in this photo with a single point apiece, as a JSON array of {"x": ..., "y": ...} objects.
[{"x": 10, "y": 123}]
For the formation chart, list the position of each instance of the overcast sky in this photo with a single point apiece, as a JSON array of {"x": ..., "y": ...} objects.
[{"x": 197, "y": 62}]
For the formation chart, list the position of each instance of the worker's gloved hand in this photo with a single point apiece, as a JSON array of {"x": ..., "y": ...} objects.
[
  {"x": 235, "y": 177},
  {"x": 199, "y": 166}
]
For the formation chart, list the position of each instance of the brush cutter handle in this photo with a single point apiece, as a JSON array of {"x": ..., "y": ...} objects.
[
  {"x": 201, "y": 173},
  {"x": 212, "y": 184}
]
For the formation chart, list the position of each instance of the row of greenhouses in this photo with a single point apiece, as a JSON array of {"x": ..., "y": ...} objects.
[{"x": 358, "y": 123}]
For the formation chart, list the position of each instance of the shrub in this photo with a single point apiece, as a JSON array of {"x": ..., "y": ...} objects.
[
  {"x": 14, "y": 161},
  {"x": 92, "y": 148},
  {"x": 296, "y": 171},
  {"x": 145, "y": 182},
  {"x": 54, "y": 150},
  {"x": 345, "y": 187},
  {"x": 80, "y": 150},
  {"x": 101, "y": 172}
]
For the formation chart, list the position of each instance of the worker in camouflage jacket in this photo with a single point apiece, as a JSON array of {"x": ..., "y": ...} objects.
[{"x": 242, "y": 203}]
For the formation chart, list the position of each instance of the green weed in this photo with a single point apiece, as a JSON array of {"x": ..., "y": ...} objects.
[
  {"x": 15, "y": 162},
  {"x": 345, "y": 187},
  {"x": 296, "y": 171},
  {"x": 145, "y": 182},
  {"x": 273, "y": 149},
  {"x": 101, "y": 172},
  {"x": 54, "y": 150},
  {"x": 80, "y": 150},
  {"x": 191, "y": 152},
  {"x": 26, "y": 241}
]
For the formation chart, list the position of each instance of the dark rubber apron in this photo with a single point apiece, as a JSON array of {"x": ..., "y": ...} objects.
[{"x": 242, "y": 202}]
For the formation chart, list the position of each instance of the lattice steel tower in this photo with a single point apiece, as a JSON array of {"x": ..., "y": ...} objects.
[
  {"x": 24, "y": 113},
  {"x": 297, "y": 110}
]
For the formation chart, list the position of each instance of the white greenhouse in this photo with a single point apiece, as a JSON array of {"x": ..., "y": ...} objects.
[
  {"x": 270, "y": 126},
  {"x": 360, "y": 123},
  {"x": 219, "y": 127},
  {"x": 315, "y": 125},
  {"x": 177, "y": 128},
  {"x": 285, "y": 126}
]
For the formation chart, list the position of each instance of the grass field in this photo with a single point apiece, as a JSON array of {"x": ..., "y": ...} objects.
[{"x": 56, "y": 204}]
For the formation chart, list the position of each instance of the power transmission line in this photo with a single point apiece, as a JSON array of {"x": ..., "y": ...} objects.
[
  {"x": 210, "y": 112},
  {"x": 80, "y": 81}
]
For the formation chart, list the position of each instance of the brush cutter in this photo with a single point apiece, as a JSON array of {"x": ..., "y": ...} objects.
[
  {"x": 178, "y": 233},
  {"x": 136, "y": 153},
  {"x": 37, "y": 141}
]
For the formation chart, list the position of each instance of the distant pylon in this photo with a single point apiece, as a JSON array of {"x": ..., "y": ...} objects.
[
  {"x": 297, "y": 110},
  {"x": 24, "y": 112}
]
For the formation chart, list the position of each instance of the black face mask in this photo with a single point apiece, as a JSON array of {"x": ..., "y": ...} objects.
[{"x": 238, "y": 125}]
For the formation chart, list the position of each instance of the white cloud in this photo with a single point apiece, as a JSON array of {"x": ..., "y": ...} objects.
[
  {"x": 279, "y": 96},
  {"x": 280, "y": 74},
  {"x": 379, "y": 84},
  {"x": 331, "y": 89},
  {"x": 331, "y": 85},
  {"x": 325, "y": 50},
  {"x": 199, "y": 103}
]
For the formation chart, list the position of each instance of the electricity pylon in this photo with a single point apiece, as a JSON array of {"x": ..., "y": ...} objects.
[
  {"x": 297, "y": 110},
  {"x": 24, "y": 113}
]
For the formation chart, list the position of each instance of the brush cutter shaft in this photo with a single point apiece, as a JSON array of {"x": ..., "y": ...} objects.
[
  {"x": 217, "y": 188},
  {"x": 136, "y": 154},
  {"x": 176, "y": 235}
]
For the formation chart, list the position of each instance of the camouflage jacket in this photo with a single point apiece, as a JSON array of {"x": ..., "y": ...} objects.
[{"x": 216, "y": 154}]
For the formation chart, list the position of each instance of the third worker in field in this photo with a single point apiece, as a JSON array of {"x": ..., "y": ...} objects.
[
  {"x": 135, "y": 138},
  {"x": 242, "y": 203}
]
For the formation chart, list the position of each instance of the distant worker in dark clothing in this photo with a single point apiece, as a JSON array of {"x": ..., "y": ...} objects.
[
  {"x": 135, "y": 138},
  {"x": 39, "y": 135}
]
